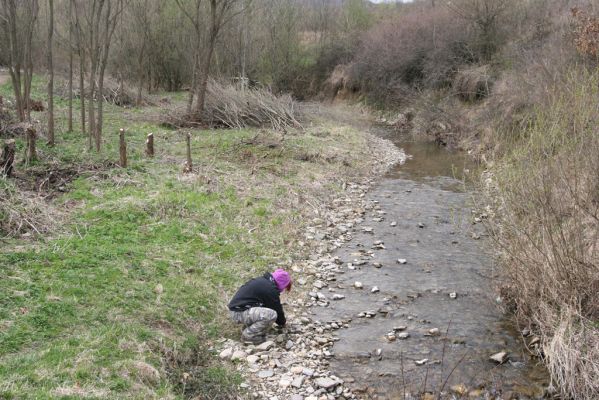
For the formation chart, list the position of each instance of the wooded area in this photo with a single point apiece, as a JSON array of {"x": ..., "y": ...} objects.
[{"x": 200, "y": 130}]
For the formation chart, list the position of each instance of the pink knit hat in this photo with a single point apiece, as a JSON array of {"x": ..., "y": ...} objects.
[{"x": 282, "y": 279}]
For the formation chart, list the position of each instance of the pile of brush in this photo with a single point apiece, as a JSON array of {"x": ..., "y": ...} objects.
[{"x": 229, "y": 106}]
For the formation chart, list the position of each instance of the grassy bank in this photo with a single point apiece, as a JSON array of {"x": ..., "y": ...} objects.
[
  {"x": 121, "y": 290},
  {"x": 546, "y": 227}
]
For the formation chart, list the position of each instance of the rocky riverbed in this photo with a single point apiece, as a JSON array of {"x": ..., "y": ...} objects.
[{"x": 394, "y": 303}]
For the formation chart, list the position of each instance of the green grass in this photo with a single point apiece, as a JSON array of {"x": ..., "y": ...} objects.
[{"x": 80, "y": 307}]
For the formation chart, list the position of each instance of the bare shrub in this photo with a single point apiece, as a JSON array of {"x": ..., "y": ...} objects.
[
  {"x": 586, "y": 33},
  {"x": 23, "y": 212},
  {"x": 547, "y": 230},
  {"x": 473, "y": 83},
  {"x": 117, "y": 93},
  {"x": 7, "y": 119},
  {"x": 228, "y": 106},
  {"x": 417, "y": 49}
]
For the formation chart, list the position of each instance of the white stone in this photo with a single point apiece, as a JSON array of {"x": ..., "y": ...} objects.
[
  {"x": 358, "y": 285},
  {"x": 375, "y": 289},
  {"x": 226, "y": 353},
  {"x": 284, "y": 383},
  {"x": 238, "y": 355},
  {"x": 402, "y": 261},
  {"x": 298, "y": 382},
  {"x": 500, "y": 357},
  {"x": 326, "y": 383},
  {"x": 267, "y": 373},
  {"x": 265, "y": 346}
]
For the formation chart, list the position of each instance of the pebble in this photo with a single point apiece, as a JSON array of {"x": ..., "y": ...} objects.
[
  {"x": 226, "y": 353},
  {"x": 402, "y": 261},
  {"x": 238, "y": 355},
  {"x": 500, "y": 357},
  {"x": 326, "y": 383},
  {"x": 377, "y": 265},
  {"x": 265, "y": 346},
  {"x": 298, "y": 382},
  {"x": 358, "y": 285},
  {"x": 394, "y": 223},
  {"x": 284, "y": 383},
  {"x": 460, "y": 389},
  {"x": 453, "y": 295},
  {"x": 375, "y": 289},
  {"x": 252, "y": 359},
  {"x": 421, "y": 362},
  {"x": 338, "y": 296},
  {"x": 267, "y": 373},
  {"x": 403, "y": 335},
  {"x": 433, "y": 331}
]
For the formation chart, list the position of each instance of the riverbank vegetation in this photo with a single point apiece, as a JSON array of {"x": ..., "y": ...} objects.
[{"x": 96, "y": 231}]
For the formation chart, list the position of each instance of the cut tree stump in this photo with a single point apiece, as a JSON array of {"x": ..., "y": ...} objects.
[
  {"x": 122, "y": 148},
  {"x": 7, "y": 159},
  {"x": 188, "y": 164},
  {"x": 30, "y": 152},
  {"x": 150, "y": 145}
]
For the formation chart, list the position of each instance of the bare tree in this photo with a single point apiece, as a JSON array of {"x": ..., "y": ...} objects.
[
  {"x": 17, "y": 19},
  {"x": 97, "y": 24},
  {"x": 485, "y": 15},
  {"x": 51, "y": 74},
  {"x": 219, "y": 13}
]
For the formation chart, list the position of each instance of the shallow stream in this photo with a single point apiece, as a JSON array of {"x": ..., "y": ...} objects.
[{"x": 422, "y": 213}]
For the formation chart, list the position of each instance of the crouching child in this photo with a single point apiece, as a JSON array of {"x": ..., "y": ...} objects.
[{"x": 257, "y": 305}]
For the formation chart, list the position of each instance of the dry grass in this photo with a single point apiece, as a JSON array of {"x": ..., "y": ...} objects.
[
  {"x": 547, "y": 229},
  {"x": 114, "y": 92},
  {"x": 228, "y": 106},
  {"x": 24, "y": 213},
  {"x": 472, "y": 84}
]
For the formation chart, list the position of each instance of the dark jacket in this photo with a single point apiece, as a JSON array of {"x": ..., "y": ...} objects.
[{"x": 259, "y": 292}]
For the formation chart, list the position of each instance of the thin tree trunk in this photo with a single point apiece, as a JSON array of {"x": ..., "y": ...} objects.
[
  {"x": 194, "y": 78},
  {"x": 70, "y": 118},
  {"x": 29, "y": 59},
  {"x": 51, "y": 73},
  {"x": 203, "y": 86},
  {"x": 140, "y": 72},
  {"x": 90, "y": 106},
  {"x": 82, "y": 89},
  {"x": 103, "y": 53}
]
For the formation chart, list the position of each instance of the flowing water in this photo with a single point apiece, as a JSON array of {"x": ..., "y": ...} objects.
[{"x": 445, "y": 250}]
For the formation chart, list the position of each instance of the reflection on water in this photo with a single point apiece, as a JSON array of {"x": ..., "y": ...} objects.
[{"x": 429, "y": 162}]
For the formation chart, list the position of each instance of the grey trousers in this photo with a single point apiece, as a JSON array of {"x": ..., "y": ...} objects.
[{"x": 256, "y": 321}]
